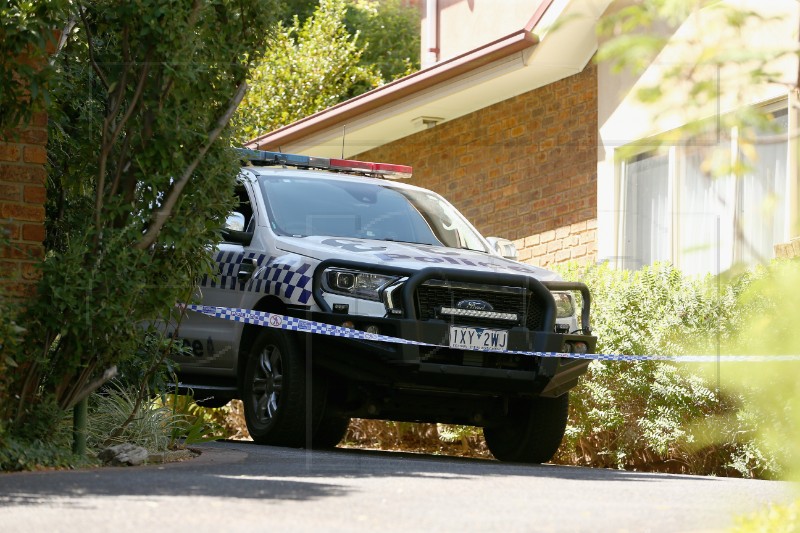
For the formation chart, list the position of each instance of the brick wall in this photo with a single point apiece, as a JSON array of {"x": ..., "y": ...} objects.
[
  {"x": 524, "y": 169},
  {"x": 22, "y": 197}
]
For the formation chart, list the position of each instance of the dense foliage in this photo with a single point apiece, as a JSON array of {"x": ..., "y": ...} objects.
[
  {"x": 390, "y": 31},
  {"x": 141, "y": 178},
  {"x": 651, "y": 415},
  {"x": 309, "y": 66},
  {"x": 345, "y": 48}
]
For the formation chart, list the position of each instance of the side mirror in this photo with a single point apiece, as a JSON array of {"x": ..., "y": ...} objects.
[
  {"x": 504, "y": 247},
  {"x": 235, "y": 221},
  {"x": 233, "y": 231}
]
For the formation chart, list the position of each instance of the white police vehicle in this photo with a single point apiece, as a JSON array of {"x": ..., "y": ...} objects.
[{"x": 335, "y": 242}]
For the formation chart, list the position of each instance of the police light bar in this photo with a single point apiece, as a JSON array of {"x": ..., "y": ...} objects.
[{"x": 378, "y": 170}]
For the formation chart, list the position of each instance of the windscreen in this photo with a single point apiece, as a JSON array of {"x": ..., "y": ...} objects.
[{"x": 337, "y": 208}]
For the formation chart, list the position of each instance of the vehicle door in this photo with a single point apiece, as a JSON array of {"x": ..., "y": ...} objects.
[{"x": 213, "y": 341}]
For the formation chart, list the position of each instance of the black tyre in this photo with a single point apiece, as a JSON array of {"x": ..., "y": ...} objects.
[
  {"x": 274, "y": 392},
  {"x": 330, "y": 431},
  {"x": 532, "y": 433}
]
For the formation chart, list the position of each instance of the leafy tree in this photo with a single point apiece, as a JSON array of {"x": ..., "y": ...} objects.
[
  {"x": 141, "y": 179},
  {"x": 346, "y": 48},
  {"x": 390, "y": 29},
  {"x": 301, "y": 9},
  {"x": 308, "y": 67}
]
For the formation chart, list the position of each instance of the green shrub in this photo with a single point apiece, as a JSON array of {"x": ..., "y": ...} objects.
[
  {"x": 17, "y": 455},
  {"x": 195, "y": 424},
  {"x": 658, "y": 415},
  {"x": 110, "y": 421},
  {"x": 10, "y": 341},
  {"x": 157, "y": 424},
  {"x": 141, "y": 407},
  {"x": 771, "y": 387},
  {"x": 22, "y": 448},
  {"x": 659, "y": 310}
]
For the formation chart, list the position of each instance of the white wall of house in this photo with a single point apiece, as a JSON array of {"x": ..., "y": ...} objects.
[
  {"x": 458, "y": 26},
  {"x": 656, "y": 202}
]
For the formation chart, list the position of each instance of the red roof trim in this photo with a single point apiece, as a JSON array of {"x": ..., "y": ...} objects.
[{"x": 540, "y": 11}]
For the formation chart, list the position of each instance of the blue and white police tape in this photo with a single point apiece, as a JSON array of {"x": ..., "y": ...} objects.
[{"x": 272, "y": 320}]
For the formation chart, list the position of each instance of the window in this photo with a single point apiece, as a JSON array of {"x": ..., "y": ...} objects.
[
  {"x": 646, "y": 204},
  {"x": 672, "y": 210},
  {"x": 334, "y": 207}
]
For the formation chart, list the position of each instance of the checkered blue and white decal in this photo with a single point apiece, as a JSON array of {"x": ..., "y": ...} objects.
[{"x": 287, "y": 277}]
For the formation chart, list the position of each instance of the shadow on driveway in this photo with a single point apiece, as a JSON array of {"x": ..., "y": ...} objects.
[{"x": 249, "y": 471}]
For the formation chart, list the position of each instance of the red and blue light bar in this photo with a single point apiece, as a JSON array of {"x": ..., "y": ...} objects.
[{"x": 381, "y": 170}]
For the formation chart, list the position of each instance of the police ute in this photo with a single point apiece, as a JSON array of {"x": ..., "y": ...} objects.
[{"x": 405, "y": 312}]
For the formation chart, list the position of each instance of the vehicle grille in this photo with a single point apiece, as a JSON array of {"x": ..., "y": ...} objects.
[{"x": 431, "y": 296}]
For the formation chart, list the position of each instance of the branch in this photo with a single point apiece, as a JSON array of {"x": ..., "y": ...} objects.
[
  {"x": 195, "y": 13},
  {"x": 95, "y": 66},
  {"x": 76, "y": 396},
  {"x": 29, "y": 384},
  {"x": 110, "y": 140},
  {"x": 121, "y": 165},
  {"x": 797, "y": 80},
  {"x": 62, "y": 40},
  {"x": 137, "y": 94},
  {"x": 160, "y": 217},
  {"x": 165, "y": 92},
  {"x": 67, "y": 388},
  {"x": 116, "y": 98},
  {"x": 167, "y": 85}
]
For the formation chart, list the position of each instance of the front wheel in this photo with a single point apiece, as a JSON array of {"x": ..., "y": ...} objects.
[
  {"x": 274, "y": 393},
  {"x": 532, "y": 432}
]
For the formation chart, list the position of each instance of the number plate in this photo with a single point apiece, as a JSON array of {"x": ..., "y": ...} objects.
[{"x": 466, "y": 338}]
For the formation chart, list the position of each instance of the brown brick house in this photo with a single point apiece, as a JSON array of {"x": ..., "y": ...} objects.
[{"x": 515, "y": 174}]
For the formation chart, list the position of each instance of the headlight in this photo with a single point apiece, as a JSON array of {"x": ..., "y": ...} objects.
[
  {"x": 363, "y": 285},
  {"x": 565, "y": 308}
]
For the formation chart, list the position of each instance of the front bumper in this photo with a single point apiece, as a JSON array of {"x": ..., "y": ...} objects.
[{"x": 439, "y": 367}]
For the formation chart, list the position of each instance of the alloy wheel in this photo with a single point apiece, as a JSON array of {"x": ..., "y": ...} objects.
[{"x": 267, "y": 383}]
